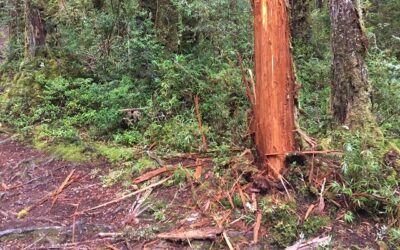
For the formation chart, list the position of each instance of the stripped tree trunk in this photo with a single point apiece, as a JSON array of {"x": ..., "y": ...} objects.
[
  {"x": 35, "y": 33},
  {"x": 274, "y": 100},
  {"x": 351, "y": 89}
]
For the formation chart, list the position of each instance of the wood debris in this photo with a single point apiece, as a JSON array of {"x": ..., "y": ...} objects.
[
  {"x": 310, "y": 244},
  {"x": 196, "y": 234},
  {"x": 126, "y": 196},
  {"x": 257, "y": 226}
]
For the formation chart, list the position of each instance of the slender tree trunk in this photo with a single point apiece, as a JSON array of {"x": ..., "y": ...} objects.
[
  {"x": 351, "y": 89},
  {"x": 35, "y": 33},
  {"x": 274, "y": 107}
]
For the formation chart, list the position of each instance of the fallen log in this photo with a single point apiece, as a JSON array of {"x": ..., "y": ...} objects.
[{"x": 196, "y": 234}]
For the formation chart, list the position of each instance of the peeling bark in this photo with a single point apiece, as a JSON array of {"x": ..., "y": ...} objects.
[
  {"x": 274, "y": 108},
  {"x": 351, "y": 89}
]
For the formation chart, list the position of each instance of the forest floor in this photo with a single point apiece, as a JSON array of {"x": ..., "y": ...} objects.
[{"x": 44, "y": 204}]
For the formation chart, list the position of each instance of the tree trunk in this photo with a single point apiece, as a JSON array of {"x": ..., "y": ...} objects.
[
  {"x": 299, "y": 10},
  {"x": 35, "y": 33},
  {"x": 351, "y": 89},
  {"x": 274, "y": 102}
]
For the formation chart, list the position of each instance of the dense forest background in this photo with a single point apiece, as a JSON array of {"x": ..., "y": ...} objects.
[{"x": 99, "y": 57}]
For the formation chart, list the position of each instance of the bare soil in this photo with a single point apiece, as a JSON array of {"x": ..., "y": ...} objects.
[{"x": 27, "y": 175}]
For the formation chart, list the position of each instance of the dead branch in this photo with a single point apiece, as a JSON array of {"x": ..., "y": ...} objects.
[
  {"x": 250, "y": 96},
  {"x": 228, "y": 242},
  {"x": 310, "y": 244},
  {"x": 153, "y": 173},
  {"x": 26, "y": 230},
  {"x": 53, "y": 194},
  {"x": 257, "y": 226},
  {"x": 204, "y": 146},
  {"x": 126, "y": 196},
  {"x": 197, "y": 234},
  {"x": 61, "y": 188},
  {"x": 307, "y": 152}
]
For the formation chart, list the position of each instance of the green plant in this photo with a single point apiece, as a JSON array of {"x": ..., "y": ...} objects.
[{"x": 348, "y": 217}]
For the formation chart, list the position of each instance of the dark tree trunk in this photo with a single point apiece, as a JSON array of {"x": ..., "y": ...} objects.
[
  {"x": 274, "y": 102},
  {"x": 35, "y": 33},
  {"x": 351, "y": 89},
  {"x": 319, "y": 4},
  {"x": 299, "y": 10}
]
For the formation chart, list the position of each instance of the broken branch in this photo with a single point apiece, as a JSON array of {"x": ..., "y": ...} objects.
[
  {"x": 126, "y": 196},
  {"x": 198, "y": 234}
]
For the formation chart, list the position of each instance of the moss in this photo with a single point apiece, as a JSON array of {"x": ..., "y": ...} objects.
[
  {"x": 114, "y": 153},
  {"x": 314, "y": 224}
]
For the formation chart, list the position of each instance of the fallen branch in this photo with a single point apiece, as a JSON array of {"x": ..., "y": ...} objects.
[
  {"x": 126, "y": 196},
  {"x": 153, "y": 173},
  {"x": 310, "y": 244},
  {"x": 197, "y": 234},
  {"x": 257, "y": 226},
  {"x": 25, "y": 230},
  {"x": 63, "y": 185},
  {"x": 310, "y": 152},
  {"x": 228, "y": 242},
  {"x": 8, "y": 139},
  {"x": 55, "y": 193}
]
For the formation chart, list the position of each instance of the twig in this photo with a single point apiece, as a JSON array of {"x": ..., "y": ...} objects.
[
  {"x": 153, "y": 173},
  {"x": 310, "y": 176},
  {"x": 113, "y": 235},
  {"x": 74, "y": 223},
  {"x": 250, "y": 96},
  {"x": 257, "y": 226},
  {"x": 65, "y": 183},
  {"x": 228, "y": 242},
  {"x": 126, "y": 196},
  {"x": 203, "y": 137}
]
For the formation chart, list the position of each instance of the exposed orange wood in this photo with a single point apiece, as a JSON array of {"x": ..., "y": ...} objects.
[{"x": 274, "y": 109}]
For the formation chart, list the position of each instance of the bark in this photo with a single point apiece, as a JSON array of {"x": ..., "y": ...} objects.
[
  {"x": 35, "y": 32},
  {"x": 351, "y": 89},
  {"x": 298, "y": 22},
  {"x": 274, "y": 107}
]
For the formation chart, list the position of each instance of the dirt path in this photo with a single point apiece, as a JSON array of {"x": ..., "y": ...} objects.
[{"x": 27, "y": 176}]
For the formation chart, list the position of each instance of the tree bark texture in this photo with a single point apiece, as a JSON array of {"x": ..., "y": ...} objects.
[
  {"x": 351, "y": 90},
  {"x": 35, "y": 33},
  {"x": 274, "y": 92}
]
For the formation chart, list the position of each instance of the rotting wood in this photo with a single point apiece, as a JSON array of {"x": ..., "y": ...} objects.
[
  {"x": 274, "y": 109},
  {"x": 126, "y": 196},
  {"x": 197, "y": 234}
]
